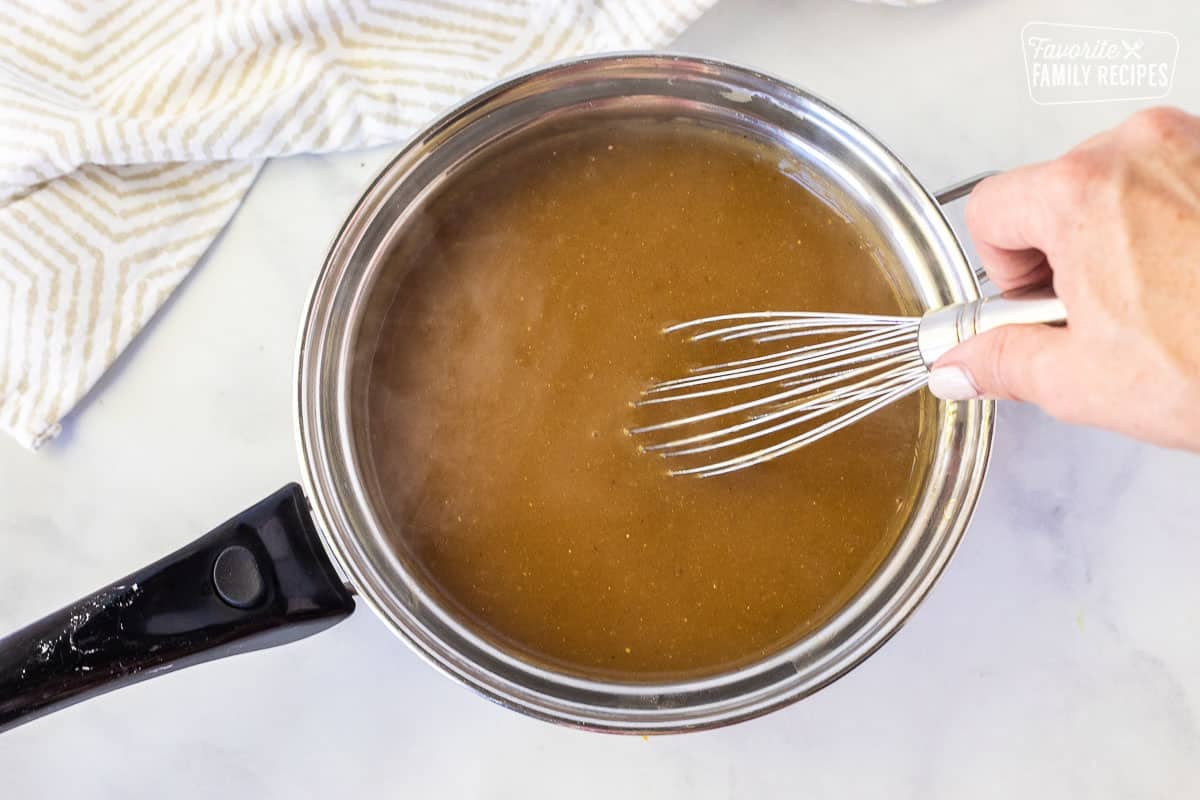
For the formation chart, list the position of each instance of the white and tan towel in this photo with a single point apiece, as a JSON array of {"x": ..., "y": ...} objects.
[{"x": 130, "y": 130}]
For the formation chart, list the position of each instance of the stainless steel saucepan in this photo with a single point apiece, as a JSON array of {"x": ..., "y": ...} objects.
[{"x": 290, "y": 565}]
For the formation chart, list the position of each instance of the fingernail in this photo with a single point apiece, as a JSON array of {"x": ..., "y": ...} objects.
[{"x": 952, "y": 383}]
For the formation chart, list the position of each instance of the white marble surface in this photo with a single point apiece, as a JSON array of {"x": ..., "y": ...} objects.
[{"x": 1058, "y": 657}]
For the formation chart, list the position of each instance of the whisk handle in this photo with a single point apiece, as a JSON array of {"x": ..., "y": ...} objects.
[{"x": 944, "y": 328}]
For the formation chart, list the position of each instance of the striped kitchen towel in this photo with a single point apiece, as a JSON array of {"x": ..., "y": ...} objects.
[{"x": 130, "y": 130}]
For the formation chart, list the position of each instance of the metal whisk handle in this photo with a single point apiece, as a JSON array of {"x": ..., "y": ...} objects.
[{"x": 943, "y": 328}]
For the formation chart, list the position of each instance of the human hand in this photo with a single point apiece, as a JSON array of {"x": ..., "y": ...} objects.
[{"x": 1114, "y": 225}]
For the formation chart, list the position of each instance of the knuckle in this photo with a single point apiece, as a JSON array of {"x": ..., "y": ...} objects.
[
  {"x": 1083, "y": 178},
  {"x": 1155, "y": 125},
  {"x": 1075, "y": 175}
]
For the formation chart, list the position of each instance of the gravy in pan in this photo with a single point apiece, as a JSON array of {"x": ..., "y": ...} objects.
[{"x": 535, "y": 289}]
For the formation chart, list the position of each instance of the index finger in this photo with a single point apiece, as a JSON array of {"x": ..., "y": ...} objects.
[{"x": 1009, "y": 219}]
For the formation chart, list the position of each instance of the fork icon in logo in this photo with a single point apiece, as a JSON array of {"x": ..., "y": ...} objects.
[{"x": 1133, "y": 49}]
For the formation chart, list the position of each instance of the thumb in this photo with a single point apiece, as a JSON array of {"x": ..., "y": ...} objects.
[{"x": 1014, "y": 362}]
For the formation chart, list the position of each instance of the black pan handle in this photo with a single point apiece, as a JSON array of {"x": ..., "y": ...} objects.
[{"x": 259, "y": 580}]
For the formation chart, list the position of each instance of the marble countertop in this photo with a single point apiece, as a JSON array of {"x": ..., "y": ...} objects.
[{"x": 1059, "y": 656}]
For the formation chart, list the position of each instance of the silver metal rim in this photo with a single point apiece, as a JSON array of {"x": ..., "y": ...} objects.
[{"x": 344, "y": 518}]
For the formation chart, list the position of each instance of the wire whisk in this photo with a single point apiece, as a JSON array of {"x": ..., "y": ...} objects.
[{"x": 835, "y": 370}]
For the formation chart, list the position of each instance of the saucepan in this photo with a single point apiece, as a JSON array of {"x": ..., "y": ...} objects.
[{"x": 293, "y": 563}]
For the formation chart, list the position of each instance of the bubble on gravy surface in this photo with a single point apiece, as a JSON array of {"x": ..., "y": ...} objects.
[{"x": 534, "y": 288}]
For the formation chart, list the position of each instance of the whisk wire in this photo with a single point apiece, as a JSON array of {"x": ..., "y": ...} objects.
[
  {"x": 812, "y": 354},
  {"x": 851, "y": 365},
  {"x": 817, "y": 352},
  {"x": 795, "y": 443},
  {"x": 791, "y": 413},
  {"x": 857, "y": 365},
  {"x": 800, "y": 317}
]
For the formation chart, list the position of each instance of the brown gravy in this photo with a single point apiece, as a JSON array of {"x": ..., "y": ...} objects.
[{"x": 535, "y": 290}]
